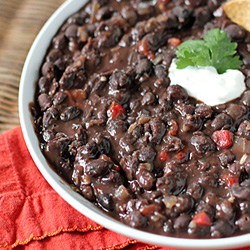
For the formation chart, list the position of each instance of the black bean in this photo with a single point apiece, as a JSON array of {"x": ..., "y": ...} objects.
[
  {"x": 60, "y": 41},
  {"x": 147, "y": 154},
  {"x": 245, "y": 207},
  {"x": 184, "y": 204},
  {"x": 221, "y": 229},
  {"x": 170, "y": 23},
  {"x": 60, "y": 65},
  {"x": 149, "y": 210},
  {"x": 168, "y": 227},
  {"x": 67, "y": 80},
  {"x": 235, "y": 167},
  {"x": 205, "y": 207},
  {"x": 221, "y": 120},
  {"x": 246, "y": 98},
  {"x": 203, "y": 110},
  {"x": 195, "y": 190},
  {"x": 78, "y": 18},
  {"x": 226, "y": 157},
  {"x": 129, "y": 165},
  {"x": 48, "y": 134},
  {"x": 129, "y": 14},
  {"x": 51, "y": 114},
  {"x": 247, "y": 164},
  {"x": 146, "y": 179},
  {"x": 44, "y": 101},
  {"x": 171, "y": 185},
  {"x": 148, "y": 99},
  {"x": 213, "y": 4},
  {"x": 104, "y": 13},
  {"x": 224, "y": 210},
  {"x": 182, "y": 13},
  {"x": 134, "y": 186},
  {"x": 59, "y": 98},
  {"x": 191, "y": 123},
  {"x": 181, "y": 222},
  {"x": 154, "y": 40},
  {"x": 158, "y": 129},
  {"x": 185, "y": 109},
  {"x": 53, "y": 88},
  {"x": 96, "y": 168},
  {"x": 136, "y": 219},
  {"x": 112, "y": 179},
  {"x": 90, "y": 150},
  {"x": 87, "y": 192},
  {"x": 175, "y": 93},
  {"x": 241, "y": 193},
  {"x": 125, "y": 144},
  {"x": 236, "y": 32},
  {"x": 104, "y": 146},
  {"x": 236, "y": 111},
  {"x": 208, "y": 180},
  {"x": 197, "y": 3},
  {"x": 202, "y": 16},
  {"x": 71, "y": 32},
  {"x": 246, "y": 183},
  {"x": 48, "y": 70},
  {"x": 203, "y": 143},
  {"x": 58, "y": 145},
  {"x": 106, "y": 201},
  {"x": 243, "y": 222},
  {"x": 173, "y": 143},
  {"x": 53, "y": 55},
  {"x": 244, "y": 129},
  {"x": 143, "y": 66},
  {"x": 69, "y": 113},
  {"x": 119, "y": 79},
  {"x": 44, "y": 84},
  {"x": 248, "y": 82},
  {"x": 160, "y": 71}
]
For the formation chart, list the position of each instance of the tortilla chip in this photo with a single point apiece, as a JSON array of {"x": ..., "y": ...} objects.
[{"x": 239, "y": 12}]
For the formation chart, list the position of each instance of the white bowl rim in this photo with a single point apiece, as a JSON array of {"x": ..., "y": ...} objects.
[{"x": 58, "y": 184}]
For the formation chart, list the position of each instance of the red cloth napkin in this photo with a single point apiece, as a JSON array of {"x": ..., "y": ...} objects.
[{"x": 34, "y": 216}]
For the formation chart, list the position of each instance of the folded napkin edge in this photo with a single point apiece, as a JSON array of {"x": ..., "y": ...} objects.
[
  {"x": 70, "y": 230},
  {"x": 48, "y": 234}
]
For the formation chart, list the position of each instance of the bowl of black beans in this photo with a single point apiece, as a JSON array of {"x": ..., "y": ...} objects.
[{"x": 138, "y": 114}]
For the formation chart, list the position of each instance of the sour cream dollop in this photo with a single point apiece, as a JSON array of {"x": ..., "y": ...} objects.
[{"x": 206, "y": 85}]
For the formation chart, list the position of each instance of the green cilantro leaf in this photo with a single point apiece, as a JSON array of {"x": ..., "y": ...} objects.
[{"x": 216, "y": 49}]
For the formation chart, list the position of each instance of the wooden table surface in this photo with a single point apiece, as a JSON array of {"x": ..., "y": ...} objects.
[{"x": 20, "y": 21}]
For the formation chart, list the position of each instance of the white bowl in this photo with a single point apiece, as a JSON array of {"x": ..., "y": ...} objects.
[{"x": 28, "y": 82}]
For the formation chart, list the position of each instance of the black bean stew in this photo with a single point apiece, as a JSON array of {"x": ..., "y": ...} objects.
[{"x": 139, "y": 148}]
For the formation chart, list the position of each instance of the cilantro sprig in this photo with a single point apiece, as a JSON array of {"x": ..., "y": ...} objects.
[{"x": 216, "y": 49}]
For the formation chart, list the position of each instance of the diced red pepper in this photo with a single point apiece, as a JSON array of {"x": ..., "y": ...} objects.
[
  {"x": 173, "y": 129},
  {"x": 117, "y": 168},
  {"x": 164, "y": 156},
  {"x": 142, "y": 46},
  {"x": 223, "y": 138},
  {"x": 144, "y": 50},
  {"x": 104, "y": 157},
  {"x": 182, "y": 156},
  {"x": 116, "y": 110},
  {"x": 202, "y": 219},
  {"x": 174, "y": 41},
  {"x": 150, "y": 55},
  {"x": 230, "y": 179},
  {"x": 78, "y": 94},
  {"x": 163, "y": 4}
]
